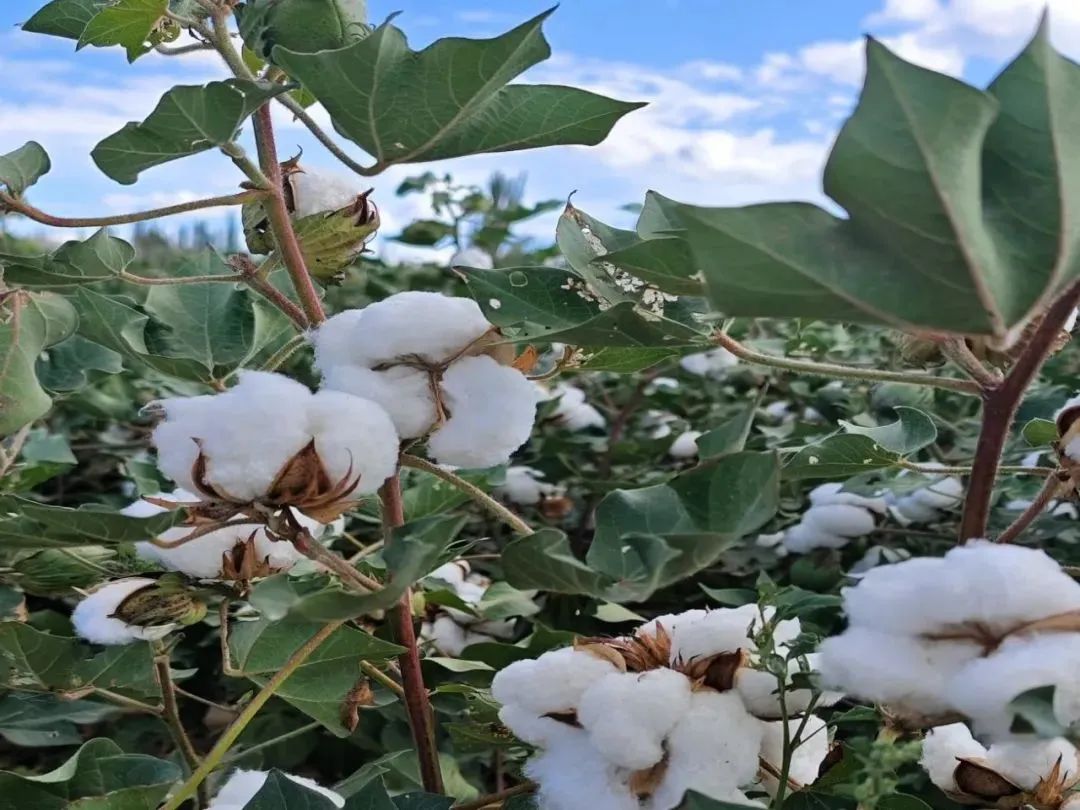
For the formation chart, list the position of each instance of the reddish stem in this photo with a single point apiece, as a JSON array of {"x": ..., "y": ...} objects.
[
  {"x": 417, "y": 703},
  {"x": 999, "y": 410},
  {"x": 277, "y": 213}
]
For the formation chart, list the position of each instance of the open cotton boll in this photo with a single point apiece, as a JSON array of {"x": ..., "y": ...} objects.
[
  {"x": 93, "y": 616},
  {"x": 572, "y": 411},
  {"x": 986, "y": 686},
  {"x": 840, "y": 519},
  {"x": 830, "y": 493},
  {"x": 450, "y": 638},
  {"x": 524, "y": 486},
  {"x": 712, "y": 363},
  {"x": 760, "y": 692},
  {"x": 452, "y": 573},
  {"x": 942, "y": 747},
  {"x": 628, "y": 714},
  {"x": 201, "y": 557},
  {"x": 537, "y": 729},
  {"x": 715, "y": 631},
  {"x": 354, "y": 437},
  {"x": 318, "y": 191},
  {"x": 702, "y": 758},
  {"x": 806, "y": 757},
  {"x": 926, "y": 504},
  {"x": 1026, "y": 763},
  {"x": 492, "y": 410},
  {"x": 907, "y": 673},
  {"x": 241, "y": 787},
  {"x": 685, "y": 445},
  {"x": 553, "y": 682},
  {"x": 472, "y": 257},
  {"x": 403, "y": 392},
  {"x": 803, "y": 538},
  {"x": 572, "y": 774}
]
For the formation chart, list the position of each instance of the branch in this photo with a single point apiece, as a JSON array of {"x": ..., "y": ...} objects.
[
  {"x": 18, "y": 206},
  {"x": 1051, "y": 488},
  {"x": 497, "y": 798},
  {"x": 473, "y": 491},
  {"x": 323, "y": 137},
  {"x": 236, "y": 728},
  {"x": 314, "y": 550},
  {"x": 834, "y": 370},
  {"x": 1013, "y": 469},
  {"x": 147, "y": 281},
  {"x": 999, "y": 410},
  {"x": 180, "y": 50},
  {"x": 957, "y": 350},
  {"x": 378, "y": 675},
  {"x": 417, "y": 701},
  {"x": 171, "y": 715}
]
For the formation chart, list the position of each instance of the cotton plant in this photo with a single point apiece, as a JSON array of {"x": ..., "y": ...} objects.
[
  {"x": 440, "y": 370},
  {"x": 927, "y": 503},
  {"x": 450, "y": 630},
  {"x": 678, "y": 705}
]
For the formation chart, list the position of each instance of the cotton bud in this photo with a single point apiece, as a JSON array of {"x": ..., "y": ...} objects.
[
  {"x": 572, "y": 411},
  {"x": 242, "y": 786},
  {"x": 685, "y": 445},
  {"x": 439, "y": 368},
  {"x": 713, "y": 363},
  {"x": 472, "y": 257},
  {"x": 306, "y": 26},
  {"x": 270, "y": 441},
  {"x": 135, "y": 609}
]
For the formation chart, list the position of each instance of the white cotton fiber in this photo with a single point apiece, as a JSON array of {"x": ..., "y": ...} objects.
[
  {"x": 628, "y": 714},
  {"x": 713, "y": 363},
  {"x": 901, "y": 671},
  {"x": 242, "y": 786},
  {"x": 714, "y": 631},
  {"x": 93, "y": 620},
  {"x": 830, "y": 493},
  {"x": 806, "y": 757},
  {"x": 492, "y": 409},
  {"x": 318, "y": 191},
  {"x": 450, "y": 638},
  {"x": 840, "y": 519},
  {"x": 472, "y": 257},
  {"x": 942, "y": 749},
  {"x": 403, "y": 392},
  {"x": 572, "y": 411},
  {"x": 573, "y": 775},
  {"x": 803, "y": 538},
  {"x": 685, "y": 445},
  {"x": 1026, "y": 762},
  {"x": 926, "y": 504},
  {"x": 701, "y": 759},
  {"x": 551, "y": 683},
  {"x": 537, "y": 729},
  {"x": 525, "y": 486},
  {"x": 354, "y": 437}
]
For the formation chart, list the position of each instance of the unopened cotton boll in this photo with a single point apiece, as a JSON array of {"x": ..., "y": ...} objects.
[
  {"x": 685, "y": 445},
  {"x": 472, "y": 257},
  {"x": 806, "y": 757},
  {"x": 1027, "y": 762},
  {"x": 573, "y": 412},
  {"x": 573, "y": 774},
  {"x": 553, "y": 682},
  {"x": 492, "y": 410},
  {"x": 93, "y": 616},
  {"x": 525, "y": 486},
  {"x": 628, "y": 714},
  {"x": 942, "y": 749},
  {"x": 242, "y": 786},
  {"x": 713, "y": 363},
  {"x": 701, "y": 759},
  {"x": 248, "y": 434},
  {"x": 317, "y": 191}
]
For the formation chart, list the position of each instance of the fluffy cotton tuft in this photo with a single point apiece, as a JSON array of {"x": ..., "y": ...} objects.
[
  {"x": 554, "y": 682},
  {"x": 1027, "y": 762},
  {"x": 685, "y": 445},
  {"x": 317, "y": 191},
  {"x": 942, "y": 749},
  {"x": 492, "y": 409},
  {"x": 525, "y": 486},
  {"x": 926, "y": 505},
  {"x": 472, "y": 257},
  {"x": 241, "y": 787},
  {"x": 248, "y": 433},
  {"x": 833, "y": 520},
  {"x": 573, "y": 772},
  {"x": 572, "y": 411},
  {"x": 713, "y": 363},
  {"x": 453, "y": 630},
  {"x": 93, "y": 619},
  {"x": 807, "y": 756}
]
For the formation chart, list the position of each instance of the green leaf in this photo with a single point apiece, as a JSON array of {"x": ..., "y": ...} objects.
[
  {"x": 425, "y": 495},
  {"x": 901, "y": 801},
  {"x": 543, "y": 560},
  {"x": 913, "y": 430},
  {"x": 29, "y": 524},
  {"x": 503, "y": 601},
  {"x": 99, "y": 776},
  {"x": 839, "y": 456},
  {"x": 187, "y": 120},
  {"x": 735, "y": 494},
  {"x": 320, "y": 685},
  {"x": 1033, "y": 713},
  {"x": 130, "y": 23},
  {"x": 626, "y": 326},
  {"x": 542, "y": 298},
  {"x": 29, "y": 323},
  {"x": 450, "y": 99},
  {"x": 64, "y": 18},
  {"x": 67, "y": 365},
  {"x": 582, "y": 240},
  {"x": 1040, "y": 432},
  {"x": 100, "y": 258},
  {"x": 38, "y": 721},
  {"x": 666, "y": 263},
  {"x": 699, "y": 801},
  {"x": 731, "y": 436},
  {"x": 625, "y": 360},
  {"x": 22, "y": 168},
  {"x": 279, "y": 792},
  {"x": 425, "y": 232}
]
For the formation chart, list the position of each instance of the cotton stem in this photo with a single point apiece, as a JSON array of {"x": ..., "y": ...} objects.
[
  {"x": 523, "y": 789},
  {"x": 19, "y": 206},
  {"x": 171, "y": 715},
  {"x": 1051, "y": 489}
]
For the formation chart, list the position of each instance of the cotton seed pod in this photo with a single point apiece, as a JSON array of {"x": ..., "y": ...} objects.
[
  {"x": 331, "y": 242},
  {"x": 95, "y": 617}
]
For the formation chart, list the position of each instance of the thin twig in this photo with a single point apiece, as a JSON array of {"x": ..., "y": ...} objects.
[
  {"x": 149, "y": 281},
  {"x": 473, "y": 491},
  {"x": 314, "y": 550},
  {"x": 10, "y": 203},
  {"x": 288, "y": 735},
  {"x": 378, "y": 675},
  {"x": 833, "y": 370},
  {"x": 247, "y": 714},
  {"x": 957, "y": 350},
  {"x": 496, "y": 798},
  {"x": 1051, "y": 488},
  {"x": 130, "y": 703},
  {"x": 282, "y": 355},
  {"x": 10, "y": 453},
  {"x": 221, "y": 707},
  {"x": 1005, "y": 469},
  {"x": 180, "y": 50}
]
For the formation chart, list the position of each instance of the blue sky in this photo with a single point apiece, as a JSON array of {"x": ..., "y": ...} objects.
[{"x": 746, "y": 95}]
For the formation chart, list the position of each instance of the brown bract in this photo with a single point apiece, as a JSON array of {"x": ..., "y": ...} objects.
[{"x": 243, "y": 563}]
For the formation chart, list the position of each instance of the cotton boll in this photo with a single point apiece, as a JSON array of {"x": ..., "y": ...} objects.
[
  {"x": 839, "y": 519},
  {"x": 701, "y": 759},
  {"x": 317, "y": 191},
  {"x": 830, "y": 493},
  {"x": 553, "y": 682},
  {"x": 202, "y": 557},
  {"x": 472, "y": 257},
  {"x": 685, "y": 445},
  {"x": 942, "y": 749},
  {"x": 628, "y": 714},
  {"x": 908, "y": 510},
  {"x": 242, "y": 786},
  {"x": 662, "y": 384},
  {"x": 524, "y": 486},
  {"x": 984, "y": 688},
  {"x": 573, "y": 412},
  {"x": 355, "y": 439},
  {"x": 717, "y": 631},
  {"x": 803, "y": 538},
  {"x": 93, "y": 619},
  {"x": 1026, "y": 763},
  {"x": 713, "y": 363},
  {"x": 452, "y": 573},
  {"x": 573, "y": 773},
  {"x": 905, "y": 673},
  {"x": 448, "y": 637},
  {"x": 942, "y": 494},
  {"x": 492, "y": 410},
  {"x": 806, "y": 757},
  {"x": 402, "y": 391}
]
